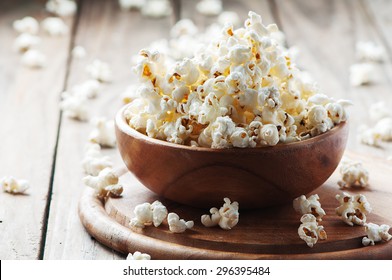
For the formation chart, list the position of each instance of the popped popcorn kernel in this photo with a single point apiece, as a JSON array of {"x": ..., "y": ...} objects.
[
  {"x": 61, "y": 7},
  {"x": 54, "y": 26},
  {"x": 74, "y": 106},
  {"x": 376, "y": 233},
  {"x": 34, "y": 59},
  {"x": 131, "y": 4},
  {"x": 94, "y": 161},
  {"x": 26, "y": 25},
  {"x": 105, "y": 183},
  {"x": 100, "y": 71},
  {"x": 104, "y": 133},
  {"x": 14, "y": 186},
  {"x": 378, "y": 111},
  {"x": 369, "y": 51},
  {"x": 25, "y": 41},
  {"x": 177, "y": 225},
  {"x": 147, "y": 214},
  {"x": 309, "y": 230},
  {"x": 157, "y": 8},
  {"x": 353, "y": 209},
  {"x": 353, "y": 174},
  {"x": 137, "y": 256},
  {"x": 78, "y": 52},
  {"x": 362, "y": 74},
  {"x": 310, "y": 205},
  {"x": 226, "y": 217},
  {"x": 209, "y": 7}
]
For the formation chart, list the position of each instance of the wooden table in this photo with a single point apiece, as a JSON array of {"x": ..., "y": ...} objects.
[{"x": 42, "y": 146}]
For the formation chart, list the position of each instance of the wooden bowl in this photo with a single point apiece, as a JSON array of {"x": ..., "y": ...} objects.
[{"x": 255, "y": 177}]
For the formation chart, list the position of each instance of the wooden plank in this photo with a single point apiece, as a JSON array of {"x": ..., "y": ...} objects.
[
  {"x": 113, "y": 36},
  {"x": 326, "y": 33},
  {"x": 29, "y": 121}
]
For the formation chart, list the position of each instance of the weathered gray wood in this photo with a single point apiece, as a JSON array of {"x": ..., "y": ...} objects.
[{"x": 28, "y": 129}]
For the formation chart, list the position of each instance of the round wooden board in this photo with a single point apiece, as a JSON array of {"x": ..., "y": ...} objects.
[{"x": 269, "y": 233}]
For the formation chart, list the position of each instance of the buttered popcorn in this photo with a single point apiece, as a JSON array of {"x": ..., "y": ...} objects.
[{"x": 243, "y": 90}]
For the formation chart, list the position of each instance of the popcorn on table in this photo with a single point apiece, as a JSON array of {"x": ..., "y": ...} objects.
[
  {"x": 25, "y": 41},
  {"x": 309, "y": 230},
  {"x": 137, "y": 256},
  {"x": 157, "y": 8},
  {"x": 34, "y": 59},
  {"x": 226, "y": 217},
  {"x": 100, "y": 71},
  {"x": 378, "y": 111},
  {"x": 309, "y": 205},
  {"x": 26, "y": 25},
  {"x": 362, "y": 74},
  {"x": 177, "y": 225},
  {"x": 78, "y": 52},
  {"x": 368, "y": 136},
  {"x": 131, "y": 4},
  {"x": 209, "y": 7},
  {"x": 353, "y": 209},
  {"x": 384, "y": 128},
  {"x": 230, "y": 17},
  {"x": 14, "y": 186},
  {"x": 74, "y": 106},
  {"x": 353, "y": 174},
  {"x": 241, "y": 90},
  {"x": 105, "y": 183},
  {"x": 54, "y": 26},
  {"x": 88, "y": 89},
  {"x": 369, "y": 51},
  {"x": 61, "y": 7},
  {"x": 147, "y": 214},
  {"x": 104, "y": 133},
  {"x": 94, "y": 161},
  {"x": 376, "y": 233}
]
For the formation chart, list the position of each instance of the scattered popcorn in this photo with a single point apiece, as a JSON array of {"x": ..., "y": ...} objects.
[
  {"x": 376, "y": 233},
  {"x": 368, "y": 136},
  {"x": 100, "y": 71},
  {"x": 183, "y": 27},
  {"x": 54, "y": 26},
  {"x": 209, "y": 7},
  {"x": 369, "y": 51},
  {"x": 384, "y": 128},
  {"x": 353, "y": 174},
  {"x": 229, "y": 17},
  {"x": 131, "y": 4},
  {"x": 61, "y": 7},
  {"x": 176, "y": 225},
  {"x": 361, "y": 74},
  {"x": 93, "y": 161},
  {"x": 74, "y": 106},
  {"x": 226, "y": 217},
  {"x": 88, "y": 89},
  {"x": 34, "y": 59},
  {"x": 309, "y": 231},
  {"x": 137, "y": 256},
  {"x": 309, "y": 205},
  {"x": 103, "y": 134},
  {"x": 157, "y": 8},
  {"x": 378, "y": 111},
  {"x": 78, "y": 52},
  {"x": 353, "y": 209},
  {"x": 25, "y": 41},
  {"x": 11, "y": 185},
  {"x": 147, "y": 214},
  {"x": 105, "y": 184},
  {"x": 26, "y": 25}
]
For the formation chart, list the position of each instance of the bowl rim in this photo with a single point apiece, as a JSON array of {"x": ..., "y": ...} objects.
[{"x": 121, "y": 124}]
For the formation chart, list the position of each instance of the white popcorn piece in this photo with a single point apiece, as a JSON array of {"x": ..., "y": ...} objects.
[
  {"x": 229, "y": 17},
  {"x": 25, "y": 41},
  {"x": 362, "y": 73},
  {"x": 89, "y": 89},
  {"x": 54, "y": 26},
  {"x": 369, "y": 51},
  {"x": 209, "y": 7},
  {"x": 353, "y": 174},
  {"x": 309, "y": 230},
  {"x": 93, "y": 161},
  {"x": 226, "y": 217},
  {"x": 376, "y": 233},
  {"x": 104, "y": 133},
  {"x": 378, "y": 111},
  {"x": 157, "y": 8},
  {"x": 105, "y": 183},
  {"x": 183, "y": 27},
  {"x": 100, "y": 71},
  {"x": 353, "y": 209},
  {"x": 137, "y": 256},
  {"x": 368, "y": 136},
  {"x": 14, "y": 186},
  {"x": 26, "y": 25},
  {"x": 147, "y": 214},
  {"x": 34, "y": 59},
  {"x": 309, "y": 205},
  {"x": 61, "y": 7},
  {"x": 131, "y": 4},
  {"x": 383, "y": 128},
  {"x": 78, "y": 52},
  {"x": 177, "y": 225},
  {"x": 74, "y": 106}
]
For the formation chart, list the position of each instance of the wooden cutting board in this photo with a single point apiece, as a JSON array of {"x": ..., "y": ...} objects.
[{"x": 269, "y": 233}]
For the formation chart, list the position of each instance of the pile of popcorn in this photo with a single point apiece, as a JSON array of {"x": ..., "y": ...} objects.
[{"x": 242, "y": 90}]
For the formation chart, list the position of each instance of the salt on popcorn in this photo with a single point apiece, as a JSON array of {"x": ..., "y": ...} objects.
[
  {"x": 100, "y": 71},
  {"x": 34, "y": 59},
  {"x": 209, "y": 7},
  {"x": 353, "y": 174},
  {"x": 61, "y": 7},
  {"x": 104, "y": 133},
  {"x": 376, "y": 233},
  {"x": 54, "y": 26},
  {"x": 226, "y": 217},
  {"x": 94, "y": 161},
  {"x": 362, "y": 74},
  {"x": 309, "y": 230},
  {"x": 369, "y": 51},
  {"x": 310, "y": 205},
  {"x": 242, "y": 80},
  {"x": 26, "y": 25},
  {"x": 25, "y": 41},
  {"x": 14, "y": 186},
  {"x": 177, "y": 225},
  {"x": 353, "y": 209},
  {"x": 157, "y": 8},
  {"x": 147, "y": 214},
  {"x": 105, "y": 183},
  {"x": 137, "y": 256}
]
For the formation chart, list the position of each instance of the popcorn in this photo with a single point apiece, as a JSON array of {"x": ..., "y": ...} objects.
[
  {"x": 353, "y": 209},
  {"x": 74, "y": 106},
  {"x": 369, "y": 51},
  {"x": 103, "y": 134},
  {"x": 100, "y": 71},
  {"x": 25, "y": 41},
  {"x": 378, "y": 111},
  {"x": 137, "y": 256},
  {"x": 34, "y": 59},
  {"x": 183, "y": 27},
  {"x": 88, "y": 89},
  {"x": 209, "y": 7},
  {"x": 130, "y": 94},
  {"x": 353, "y": 174},
  {"x": 61, "y": 7},
  {"x": 361, "y": 74},
  {"x": 229, "y": 17},
  {"x": 309, "y": 205},
  {"x": 147, "y": 214},
  {"x": 78, "y": 52},
  {"x": 384, "y": 129},
  {"x": 132, "y": 4},
  {"x": 54, "y": 26},
  {"x": 226, "y": 217},
  {"x": 376, "y": 233},
  {"x": 105, "y": 184},
  {"x": 310, "y": 231},
  {"x": 26, "y": 25},
  {"x": 93, "y": 161},
  {"x": 368, "y": 136},
  {"x": 176, "y": 225},
  {"x": 157, "y": 8},
  {"x": 14, "y": 186}
]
